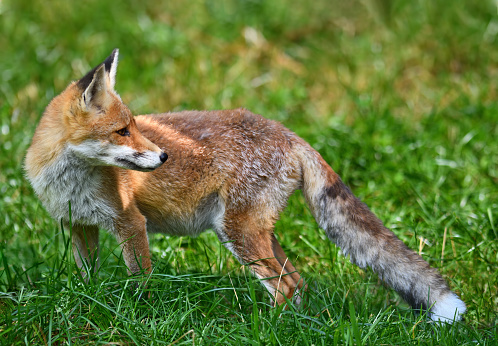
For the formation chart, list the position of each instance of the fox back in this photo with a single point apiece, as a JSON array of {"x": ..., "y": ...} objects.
[{"x": 231, "y": 171}]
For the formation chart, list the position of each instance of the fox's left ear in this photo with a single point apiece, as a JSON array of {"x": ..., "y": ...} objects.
[
  {"x": 95, "y": 95},
  {"x": 111, "y": 65}
]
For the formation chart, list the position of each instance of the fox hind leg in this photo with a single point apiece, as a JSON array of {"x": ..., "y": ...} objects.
[
  {"x": 284, "y": 261},
  {"x": 257, "y": 247}
]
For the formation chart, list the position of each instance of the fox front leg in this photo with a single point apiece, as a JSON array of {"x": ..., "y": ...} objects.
[
  {"x": 131, "y": 234},
  {"x": 85, "y": 242}
]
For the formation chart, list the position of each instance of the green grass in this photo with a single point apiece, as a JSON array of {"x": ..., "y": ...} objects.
[{"x": 399, "y": 97}]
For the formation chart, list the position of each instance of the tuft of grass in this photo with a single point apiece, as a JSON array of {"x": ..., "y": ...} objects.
[{"x": 399, "y": 97}]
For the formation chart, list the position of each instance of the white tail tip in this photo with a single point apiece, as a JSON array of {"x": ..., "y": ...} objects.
[{"x": 448, "y": 310}]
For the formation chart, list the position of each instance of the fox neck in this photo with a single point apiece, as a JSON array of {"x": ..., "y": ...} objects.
[{"x": 72, "y": 190}]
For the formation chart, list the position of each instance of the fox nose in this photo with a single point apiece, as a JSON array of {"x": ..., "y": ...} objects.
[{"x": 163, "y": 157}]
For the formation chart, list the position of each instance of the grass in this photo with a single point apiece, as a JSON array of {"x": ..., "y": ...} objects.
[{"x": 399, "y": 97}]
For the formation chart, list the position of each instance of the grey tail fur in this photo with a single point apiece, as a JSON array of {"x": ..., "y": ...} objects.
[{"x": 350, "y": 224}]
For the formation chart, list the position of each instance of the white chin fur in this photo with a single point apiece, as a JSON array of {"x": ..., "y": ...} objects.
[
  {"x": 448, "y": 310},
  {"x": 106, "y": 154}
]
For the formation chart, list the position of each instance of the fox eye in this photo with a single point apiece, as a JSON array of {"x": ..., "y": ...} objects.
[{"x": 123, "y": 132}]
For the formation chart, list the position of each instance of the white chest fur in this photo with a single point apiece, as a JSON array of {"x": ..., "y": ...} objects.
[{"x": 71, "y": 180}]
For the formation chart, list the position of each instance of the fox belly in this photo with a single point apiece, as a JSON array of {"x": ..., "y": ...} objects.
[{"x": 209, "y": 214}]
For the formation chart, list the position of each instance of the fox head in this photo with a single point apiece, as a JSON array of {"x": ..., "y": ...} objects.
[{"x": 90, "y": 120}]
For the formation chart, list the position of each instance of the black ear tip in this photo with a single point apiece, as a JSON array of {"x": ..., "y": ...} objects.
[
  {"x": 113, "y": 55},
  {"x": 110, "y": 59},
  {"x": 84, "y": 82}
]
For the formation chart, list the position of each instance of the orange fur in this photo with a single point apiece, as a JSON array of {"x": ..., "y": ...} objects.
[{"x": 231, "y": 171}]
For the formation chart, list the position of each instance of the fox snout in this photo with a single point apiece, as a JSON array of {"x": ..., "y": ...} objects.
[
  {"x": 145, "y": 162},
  {"x": 162, "y": 159}
]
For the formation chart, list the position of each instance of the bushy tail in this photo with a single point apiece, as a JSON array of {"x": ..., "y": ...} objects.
[{"x": 361, "y": 235}]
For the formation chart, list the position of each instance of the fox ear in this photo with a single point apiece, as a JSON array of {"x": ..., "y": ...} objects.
[
  {"x": 96, "y": 91},
  {"x": 111, "y": 65}
]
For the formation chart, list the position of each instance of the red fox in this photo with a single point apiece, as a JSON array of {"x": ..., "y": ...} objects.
[{"x": 93, "y": 164}]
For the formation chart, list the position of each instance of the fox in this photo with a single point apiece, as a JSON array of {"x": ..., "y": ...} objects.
[{"x": 95, "y": 165}]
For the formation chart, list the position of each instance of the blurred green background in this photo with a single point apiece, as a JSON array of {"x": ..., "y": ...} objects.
[{"x": 398, "y": 96}]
